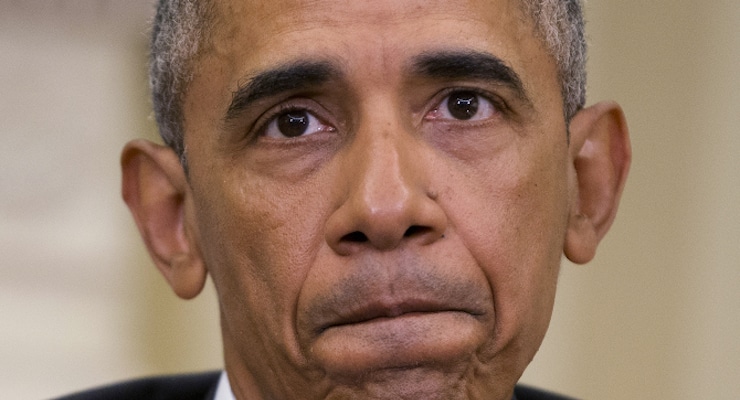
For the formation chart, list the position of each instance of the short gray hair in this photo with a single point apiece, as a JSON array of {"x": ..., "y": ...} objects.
[
  {"x": 181, "y": 27},
  {"x": 179, "y": 30},
  {"x": 560, "y": 26}
]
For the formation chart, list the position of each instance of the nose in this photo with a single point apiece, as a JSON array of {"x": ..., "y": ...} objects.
[{"x": 386, "y": 199}]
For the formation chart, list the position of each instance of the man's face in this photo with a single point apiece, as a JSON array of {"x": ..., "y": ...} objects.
[{"x": 381, "y": 194}]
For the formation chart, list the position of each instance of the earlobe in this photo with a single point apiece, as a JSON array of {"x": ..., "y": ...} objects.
[
  {"x": 156, "y": 191},
  {"x": 601, "y": 155}
]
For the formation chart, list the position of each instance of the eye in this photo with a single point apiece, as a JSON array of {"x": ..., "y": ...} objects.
[
  {"x": 463, "y": 105},
  {"x": 294, "y": 123}
]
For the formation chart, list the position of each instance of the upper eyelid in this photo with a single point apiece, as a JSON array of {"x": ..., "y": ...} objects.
[
  {"x": 313, "y": 107},
  {"x": 498, "y": 102},
  {"x": 263, "y": 121}
]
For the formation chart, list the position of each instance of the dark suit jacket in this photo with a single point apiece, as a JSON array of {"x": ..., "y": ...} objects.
[
  {"x": 175, "y": 387},
  {"x": 203, "y": 387}
]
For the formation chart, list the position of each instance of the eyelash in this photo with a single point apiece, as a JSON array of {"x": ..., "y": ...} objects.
[
  {"x": 266, "y": 119},
  {"x": 496, "y": 101},
  {"x": 300, "y": 105}
]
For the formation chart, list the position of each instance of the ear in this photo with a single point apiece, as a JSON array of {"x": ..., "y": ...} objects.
[
  {"x": 601, "y": 155},
  {"x": 157, "y": 193}
]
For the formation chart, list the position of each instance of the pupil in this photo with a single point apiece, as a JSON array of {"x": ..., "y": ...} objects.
[
  {"x": 293, "y": 123},
  {"x": 463, "y": 105}
]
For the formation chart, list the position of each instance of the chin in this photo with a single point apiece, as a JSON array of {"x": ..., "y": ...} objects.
[{"x": 441, "y": 382}]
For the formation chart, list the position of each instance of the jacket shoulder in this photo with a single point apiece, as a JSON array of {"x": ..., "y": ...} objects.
[
  {"x": 200, "y": 386},
  {"x": 523, "y": 392}
]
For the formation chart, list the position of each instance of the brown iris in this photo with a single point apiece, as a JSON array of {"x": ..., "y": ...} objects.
[
  {"x": 463, "y": 105},
  {"x": 293, "y": 123}
]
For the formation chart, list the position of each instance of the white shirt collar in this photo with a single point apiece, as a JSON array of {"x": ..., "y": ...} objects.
[{"x": 223, "y": 391}]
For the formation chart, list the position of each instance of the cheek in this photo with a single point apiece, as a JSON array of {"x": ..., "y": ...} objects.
[
  {"x": 513, "y": 221},
  {"x": 258, "y": 245}
]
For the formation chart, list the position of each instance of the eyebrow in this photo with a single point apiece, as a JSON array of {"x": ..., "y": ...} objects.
[
  {"x": 437, "y": 65},
  {"x": 284, "y": 78},
  {"x": 469, "y": 65}
]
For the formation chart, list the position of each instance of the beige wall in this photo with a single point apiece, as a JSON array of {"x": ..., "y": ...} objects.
[
  {"x": 80, "y": 303},
  {"x": 655, "y": 315}
]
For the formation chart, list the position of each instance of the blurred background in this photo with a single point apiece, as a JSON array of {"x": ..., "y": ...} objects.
[{"x": 655, "y": 315}]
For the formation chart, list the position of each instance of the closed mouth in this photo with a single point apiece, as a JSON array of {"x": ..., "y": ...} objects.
[{"x": 377, "y": 311}]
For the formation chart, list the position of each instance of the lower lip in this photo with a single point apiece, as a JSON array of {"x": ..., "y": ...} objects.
[{"x": 412, "y": 339}]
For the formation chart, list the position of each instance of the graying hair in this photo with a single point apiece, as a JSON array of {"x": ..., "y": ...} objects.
[
  {"x": 560, "y": 26},
  {"x": 181, "y": 28}
]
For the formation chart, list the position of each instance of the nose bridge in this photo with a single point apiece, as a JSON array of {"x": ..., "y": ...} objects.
[
  {"x": 387, "y": 196},
  {"x": 384, "y": 181}
]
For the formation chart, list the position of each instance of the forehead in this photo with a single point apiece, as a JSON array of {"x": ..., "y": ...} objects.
[
  {"x": 372, "y": 41},
  {"x": 284, "y": 28},
  {"x": 363, "y": 11},
  {"x": 367, "y": 11}
]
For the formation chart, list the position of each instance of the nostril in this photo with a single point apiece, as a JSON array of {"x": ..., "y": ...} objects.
[
  {"x": 416, "y": 230},
  {"x": 356, "y": 237}
]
